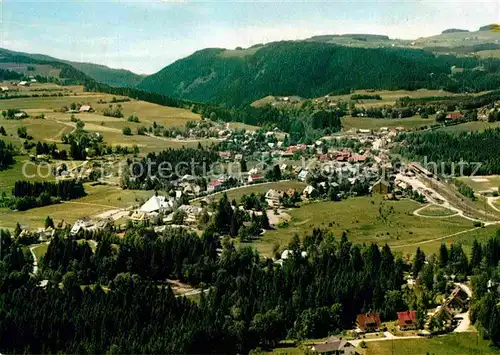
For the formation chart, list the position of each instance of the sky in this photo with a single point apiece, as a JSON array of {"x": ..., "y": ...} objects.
[{"x": 146, "y": 35}]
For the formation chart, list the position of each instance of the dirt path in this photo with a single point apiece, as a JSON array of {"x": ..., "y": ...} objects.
[
  {"x": 435, "y": 239},
  {"x": 387, "y": 336},
  {"x": 417, "y": 212}
]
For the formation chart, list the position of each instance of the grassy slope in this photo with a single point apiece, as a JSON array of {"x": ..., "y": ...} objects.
[
  {"x": 453, "y": 344},
  {"x": 364, "y": 223},
  {"x": 56, "y": 124},
  {"x": 98, "y": 200}
]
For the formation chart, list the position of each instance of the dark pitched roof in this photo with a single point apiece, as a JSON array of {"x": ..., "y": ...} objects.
[
  {"x": 368, "y": 320},
  {"x": 407, "y": 318},
  {"x": 332, "y": 344}
]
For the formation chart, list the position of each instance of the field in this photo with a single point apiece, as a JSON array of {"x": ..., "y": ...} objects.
[
  {"x": 377, "y": 123},
  {"x": 10, "y": 176},
  {"x": 471, "y": 126},
  {"x": 57, "y": 123},
  {"x": 465, "y": 238},
  {"x": 365, "y": 220},
  {"x": 481, "y": 183},
  {"x": 388, "y": 97},
  {"x": 452, "y": 344},
  {"x": 99, "y": 199},
  {"x": 436, "y": 211}
]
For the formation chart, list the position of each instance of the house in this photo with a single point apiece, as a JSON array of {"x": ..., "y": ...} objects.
[
  {"x": 192, "y": 213},
  {"x": 225, "y": 155},
  {"x": 457, "y": 300},
  {"x": 454, "y": 116},
  {"x": 309, "y": 191},
  {"x": 4, "y": 88},
  {"x": 407, "y": 320},
  {"x": 357, "y": 158},
  {"x": 82, "y": 224},
  {"x": 381, "y": 187},
  {"x": 303, "y": 175},
  {"x": 253, "y": 179},
  {"x": 20, "y": 115},
  {"x": 214, "y": 186},
  {"x": 273, "y": 197},
  {"x": 334, "y": 345},
  {"x": 368, "y": 322},
  {"x": 157, "y": 204},
  {"x": 85, "y": 108}
]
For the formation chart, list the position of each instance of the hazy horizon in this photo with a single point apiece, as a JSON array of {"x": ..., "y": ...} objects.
[{"x": 145, "y": 36}]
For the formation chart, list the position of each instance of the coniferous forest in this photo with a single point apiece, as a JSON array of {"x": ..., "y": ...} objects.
[{"x": 116, "y": 299}]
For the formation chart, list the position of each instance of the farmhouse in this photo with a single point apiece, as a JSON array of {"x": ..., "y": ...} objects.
[
  {"x": 20, "y": 115},
  {"x": 252, "y": 179},
  {"x": 214, "y": 185},
  {"x": 407, "y": 320},
  {"x": 368, "y": 322},
  {"x": 457, "y": 301},
  {"x": 454, "y": 116},
  {"x": 85, "y": 108},
  {"x": 334, "y": 345},
  {"x": 309, "y": 191},
  {"x": 273, "y": 197}
]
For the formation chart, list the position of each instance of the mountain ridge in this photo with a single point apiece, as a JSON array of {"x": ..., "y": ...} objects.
[{"x": 99, "y": 72}]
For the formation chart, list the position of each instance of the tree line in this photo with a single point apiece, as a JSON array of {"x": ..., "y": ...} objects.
[
  {"x": 27, "y": 194},
  {"x": 448, "y": 149}
]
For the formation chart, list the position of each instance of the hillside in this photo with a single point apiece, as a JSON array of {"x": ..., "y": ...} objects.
[
  {"x": 100, "y": 73},
  {"x": 312, "y": 69}
]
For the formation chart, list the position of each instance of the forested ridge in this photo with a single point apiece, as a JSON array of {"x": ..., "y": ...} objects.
[
  {"x": 447, "y": 149},
  {"x": 100, "y": 73},
  {"x": 312, "y": 69}
]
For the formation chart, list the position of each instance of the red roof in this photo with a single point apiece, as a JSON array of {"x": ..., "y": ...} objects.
[
  {"x": 357, "y": 157},
  {"x": 256, "y": 177},
  {"x": 215, "y": 183},
  {"x": 368, "y": 320},
  {"x": 407, "y": 318},
  {"x": 324, "y": 157},
  {"x": 454, "y": 116}
]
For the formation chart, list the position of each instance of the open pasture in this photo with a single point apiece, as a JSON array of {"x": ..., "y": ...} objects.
[{"x": 365, "y": 220}]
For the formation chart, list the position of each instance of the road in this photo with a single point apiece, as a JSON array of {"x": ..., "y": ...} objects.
[{"x": 387, "y": 336}]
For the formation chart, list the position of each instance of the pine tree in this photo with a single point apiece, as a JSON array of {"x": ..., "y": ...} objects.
[
  {"x": 49, "y": 222},
  {"x": 418, "y": 262},
  {"x": 476, "y": 255}
]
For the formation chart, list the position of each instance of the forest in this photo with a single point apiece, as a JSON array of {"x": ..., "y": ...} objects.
[
  {"x": 157, "y": 170},
  {"x": 6, "y": 155},
  {"x": 27, "y": 194},
  {"x": 304, "y": 124},
  {"x": 313, "y": 69},
  {"x": 248, "y": 301},
  {"x": 447, "y": 150}
]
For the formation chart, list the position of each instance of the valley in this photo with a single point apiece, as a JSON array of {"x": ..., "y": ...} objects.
[{"x": 323, "y": 194}]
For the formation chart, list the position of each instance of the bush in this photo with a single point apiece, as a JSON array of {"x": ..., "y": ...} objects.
[{"x": 127, "y": 131}]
